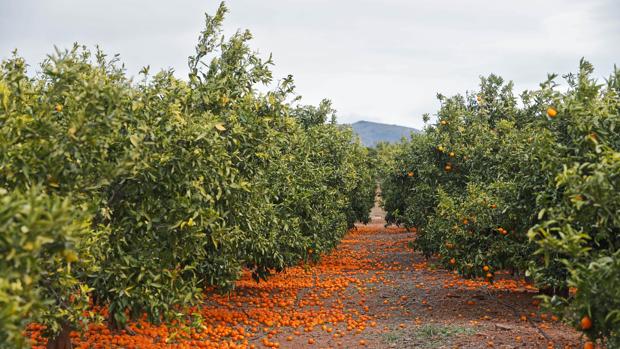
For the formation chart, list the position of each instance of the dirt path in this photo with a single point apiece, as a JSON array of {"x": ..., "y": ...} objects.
[
  {"x": 397, "y": 299},
  {"x": 412, "y": 304},
  {"x": 373, "y": 291}
]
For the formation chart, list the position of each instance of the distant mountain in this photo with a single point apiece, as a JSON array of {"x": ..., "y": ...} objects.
[{"x": 372, "y": 133}]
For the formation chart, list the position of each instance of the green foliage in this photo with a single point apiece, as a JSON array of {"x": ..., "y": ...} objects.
[
  {"x": 510, "y": 186},
  {"x": 174, "y": 185},
  {"x": 580, "y": 226},
  {"x": 39, "y": 244}
]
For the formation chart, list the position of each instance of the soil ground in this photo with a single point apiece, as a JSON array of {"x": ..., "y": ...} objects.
[
  {"x": 373, "y": 291},
  {"x": 410, "y": 303}
]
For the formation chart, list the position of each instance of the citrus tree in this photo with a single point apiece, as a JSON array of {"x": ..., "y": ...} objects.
[
  {"x": 136, "y": 196},
  {"x": 527, "y": 185},
  {"x": 39, "y": 243},
  {"x": 579, "y": 227}
]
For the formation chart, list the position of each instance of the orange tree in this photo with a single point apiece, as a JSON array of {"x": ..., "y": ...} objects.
[
  {"x": 55, "y": 141},
  {"x": 39, "y": 241},
  {"x": 469, "y": 182},
  {"x": 490, "y": 171},
  {"x": 161, "y": 187},
  {"x": 580, "y": 225}
]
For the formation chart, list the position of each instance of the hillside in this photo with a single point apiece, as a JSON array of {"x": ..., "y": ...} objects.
[{"x": 372, "y": 133}]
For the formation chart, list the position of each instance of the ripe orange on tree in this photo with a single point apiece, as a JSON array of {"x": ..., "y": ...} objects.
[{"x": 586, "y": 323}]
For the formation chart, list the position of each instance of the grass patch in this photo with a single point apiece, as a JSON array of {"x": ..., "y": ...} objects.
[
  {"x": 427, "y": 336},
  {"x": 392, "y": 336},
  {"x": 430, "y": 331},
  {"x": 434, "y": 334}
]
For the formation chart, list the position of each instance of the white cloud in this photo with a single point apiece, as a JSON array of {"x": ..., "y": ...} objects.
[{"x": 377, "y": 60}]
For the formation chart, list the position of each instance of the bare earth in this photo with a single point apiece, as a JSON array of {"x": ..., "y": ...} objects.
[
  {"x": 373, "y": 291},
  {"x": 405, "y": 302}
]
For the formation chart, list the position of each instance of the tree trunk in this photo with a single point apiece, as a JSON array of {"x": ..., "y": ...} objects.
[
  {"x": 554, "y": 291},
  {"x": 62, "y": 340}
]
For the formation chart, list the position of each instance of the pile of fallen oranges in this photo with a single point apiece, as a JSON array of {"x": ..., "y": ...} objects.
[
  {"x": 305, "y": 298},
  {"x": 320, "y": 305}
]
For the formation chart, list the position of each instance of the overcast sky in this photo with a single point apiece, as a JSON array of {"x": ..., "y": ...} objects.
[{"x": 381, "y": 60}]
